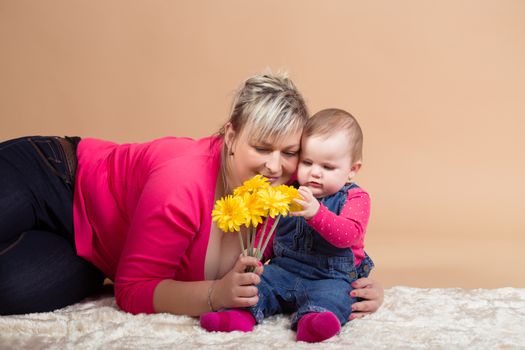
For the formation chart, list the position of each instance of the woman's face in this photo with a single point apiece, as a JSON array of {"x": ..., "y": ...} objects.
[{"x": 275, "y": 160}]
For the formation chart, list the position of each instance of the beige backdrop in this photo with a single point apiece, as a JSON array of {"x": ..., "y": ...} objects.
[{"x": 438, "y": 86}]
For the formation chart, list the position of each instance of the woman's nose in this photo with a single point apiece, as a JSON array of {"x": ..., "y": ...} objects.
[{"x": 273, "y": 162}]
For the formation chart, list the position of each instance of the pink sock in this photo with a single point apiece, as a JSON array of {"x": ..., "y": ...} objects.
[
  {"x": 317, "y": 326},
  {"x": 228, "y": 321}
]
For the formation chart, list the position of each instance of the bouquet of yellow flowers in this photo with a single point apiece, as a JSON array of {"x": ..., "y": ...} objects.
[{"x": 252, "y": 202}]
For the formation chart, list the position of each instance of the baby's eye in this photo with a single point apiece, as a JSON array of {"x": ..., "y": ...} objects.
[
  {"x": 328, "y": 167},
  {"x": 306, "y": 162}
]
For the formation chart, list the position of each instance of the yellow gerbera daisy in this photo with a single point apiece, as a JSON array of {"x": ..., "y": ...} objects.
[
  {"x": 274, "y": 202},
  {"x": 255, "y": 209},
  {"x": 252, "y": 185},
  {"x": 230, "y": 213},
  {"x": 292, "y": 193}
]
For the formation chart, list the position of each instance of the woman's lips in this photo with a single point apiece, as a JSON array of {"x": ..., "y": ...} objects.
[{"x": 272, "y": 179}]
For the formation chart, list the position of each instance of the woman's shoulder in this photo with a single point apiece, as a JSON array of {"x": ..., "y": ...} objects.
[
  {"x": 174, "y": 147},
  {"x": 192, "y": 155},
  {"x": 172, "y": 160},
  {"x": 187, "y": 163},
  {"x": 155, "y": 154},
  {"x": 170, "y": 146}
]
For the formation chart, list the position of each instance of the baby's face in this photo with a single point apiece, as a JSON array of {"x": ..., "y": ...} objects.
[{"x": 325, "y": 163}]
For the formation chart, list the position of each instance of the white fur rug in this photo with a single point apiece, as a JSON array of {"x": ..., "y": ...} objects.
[{"x": 411, "y": 318}]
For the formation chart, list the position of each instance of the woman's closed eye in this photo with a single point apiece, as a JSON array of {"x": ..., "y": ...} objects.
[
  {"x": 266, "y": 150},
  {"x": 262, "y": 149},
  {"x": 290, "y": 154}
]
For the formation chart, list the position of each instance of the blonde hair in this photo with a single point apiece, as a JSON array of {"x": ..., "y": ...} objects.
[
  {"x": 267, "y": 107},
  {"x": 332, "y": 120}
]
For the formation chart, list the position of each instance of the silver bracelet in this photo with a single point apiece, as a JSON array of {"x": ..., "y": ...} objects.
[{"x": 210, "y": 290}]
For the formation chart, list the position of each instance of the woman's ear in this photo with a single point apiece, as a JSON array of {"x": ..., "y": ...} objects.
[
  {"x": 354, "y": 169},
  {"x": 229, "y": 137}
]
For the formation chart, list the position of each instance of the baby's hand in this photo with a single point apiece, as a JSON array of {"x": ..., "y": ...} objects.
[{"x": 309, "y": 203}]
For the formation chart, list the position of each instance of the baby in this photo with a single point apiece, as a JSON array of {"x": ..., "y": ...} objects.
[{"x": 318, "y": 251}]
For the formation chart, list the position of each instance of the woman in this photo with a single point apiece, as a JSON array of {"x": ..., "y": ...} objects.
[{"x": 142, "y": 212}]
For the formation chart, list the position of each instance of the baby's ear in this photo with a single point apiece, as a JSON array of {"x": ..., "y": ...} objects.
[{"x": 355, "y": 169}]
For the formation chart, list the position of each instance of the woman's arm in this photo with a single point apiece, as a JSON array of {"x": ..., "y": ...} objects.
[
  {"x": 371, "y": 291},
  {"x": 182, "y": 298},
  {"x": 236, "y": 289}
]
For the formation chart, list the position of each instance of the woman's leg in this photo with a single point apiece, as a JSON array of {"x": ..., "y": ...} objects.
[
  {"x": 41, "y": 272},
  {"x": 39, "y": 269},
  {"x": 16, "y": 199}
]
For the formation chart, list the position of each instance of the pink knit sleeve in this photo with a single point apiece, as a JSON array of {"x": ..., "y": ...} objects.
[
  {"x": 349, "y": 227},
  {"x": 162, "y": 227}
]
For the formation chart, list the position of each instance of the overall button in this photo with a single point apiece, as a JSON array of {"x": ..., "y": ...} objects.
[
  {"x": 352, "y": 274},
  {"x": 366, "y": 268}
]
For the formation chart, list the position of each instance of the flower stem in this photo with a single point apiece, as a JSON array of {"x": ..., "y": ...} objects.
[
  {"x": 252, "y": 239},
  {"x": 263, "y": 232},
  {"x": 247, "y": 244},
  {"x": 241, "y": 242},
  {"x": 268, "y": 237}
]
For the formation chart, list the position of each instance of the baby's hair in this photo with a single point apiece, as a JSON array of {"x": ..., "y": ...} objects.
[{"x": 332, "y": 120}]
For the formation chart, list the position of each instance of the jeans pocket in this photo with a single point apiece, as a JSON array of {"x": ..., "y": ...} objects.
[{"x": 52, "y": 156}]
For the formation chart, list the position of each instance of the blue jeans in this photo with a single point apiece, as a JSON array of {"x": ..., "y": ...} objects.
[
  {"x": 39, "y": 268},
  {"x": 288, "y": 285}
]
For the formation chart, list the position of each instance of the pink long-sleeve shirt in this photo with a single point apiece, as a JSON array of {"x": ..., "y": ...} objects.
[
  {"x": 142, "y": 212},
  {"x": 346, "y": 230}
]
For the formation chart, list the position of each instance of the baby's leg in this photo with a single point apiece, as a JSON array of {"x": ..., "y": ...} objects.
[
  {"x": 325, "y": 307},
  {"x": 317, "y": 326}
]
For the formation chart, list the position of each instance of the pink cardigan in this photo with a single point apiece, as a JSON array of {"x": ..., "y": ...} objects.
[{"x": 142, "y": 212}]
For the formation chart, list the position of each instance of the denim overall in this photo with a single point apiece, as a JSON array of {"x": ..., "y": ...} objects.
[{"x": 308, "y": 274}]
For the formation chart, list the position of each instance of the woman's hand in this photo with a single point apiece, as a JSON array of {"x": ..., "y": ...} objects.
[
  {"x": 237, "y": 288},
  {"x": 371, "y": 291}
]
